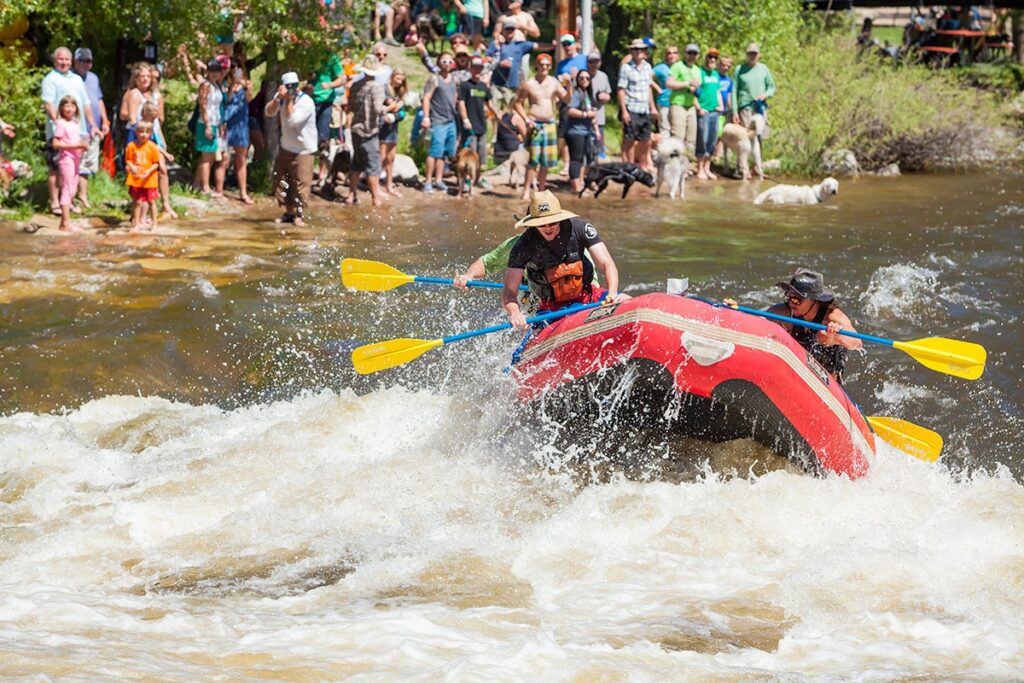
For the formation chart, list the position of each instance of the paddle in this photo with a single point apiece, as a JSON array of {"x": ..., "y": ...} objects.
[
  {"x": 908, "y": 437},
  {"x": 951, "y": 356},
  {"x": 374, "y": 276},
  {"x": 383, "y": 355}
]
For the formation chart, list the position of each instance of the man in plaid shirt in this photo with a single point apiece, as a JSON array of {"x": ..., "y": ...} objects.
[{"x": 636, "y": 102}]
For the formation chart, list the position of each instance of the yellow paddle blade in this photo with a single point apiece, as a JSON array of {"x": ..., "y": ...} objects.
[
  {"x": 388, "y": 354},
  {"x": 951, "y": 356},
  {"x": 372, "y": 276},
  {"x": 908, "y": 437}
]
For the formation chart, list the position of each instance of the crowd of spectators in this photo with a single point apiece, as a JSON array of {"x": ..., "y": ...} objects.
[{"x": 494, "y": 97}]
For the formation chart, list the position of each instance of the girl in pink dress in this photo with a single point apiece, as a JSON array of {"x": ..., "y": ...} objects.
[{"x": 67, "y": 139}]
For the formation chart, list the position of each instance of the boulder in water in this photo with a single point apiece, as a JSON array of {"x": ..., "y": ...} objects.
[{"x": 840, "y": 162}]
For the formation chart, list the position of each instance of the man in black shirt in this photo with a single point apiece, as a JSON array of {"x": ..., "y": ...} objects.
[
  {"x": 550, "y": 252},
  {"x": 474, "y": 100}
]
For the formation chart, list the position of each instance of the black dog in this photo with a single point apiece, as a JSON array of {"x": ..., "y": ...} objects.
[{"x": 599, "y": 175}]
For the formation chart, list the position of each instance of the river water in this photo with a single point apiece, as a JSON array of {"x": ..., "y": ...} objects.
[{"x": 195, "y": 485}]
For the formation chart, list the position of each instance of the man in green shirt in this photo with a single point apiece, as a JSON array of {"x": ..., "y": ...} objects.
[
  {"x": 329, "y": 76},
  {"x": 684, "y": 81},
  {"x": 752, "y": 86}
]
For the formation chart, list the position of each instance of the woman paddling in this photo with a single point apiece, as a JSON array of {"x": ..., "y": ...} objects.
[
  {"x": 807, "y": 299},
  {"x": 550, "y": 253}
]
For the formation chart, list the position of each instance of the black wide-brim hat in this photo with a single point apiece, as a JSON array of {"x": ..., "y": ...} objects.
[{"x": 809, "y": 284}]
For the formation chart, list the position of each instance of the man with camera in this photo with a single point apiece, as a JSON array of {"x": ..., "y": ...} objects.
[{"x": 293, "y": 168}]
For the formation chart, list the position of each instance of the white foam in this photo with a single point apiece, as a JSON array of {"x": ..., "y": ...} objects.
[
  {"x": 334, "y": 535},
  {"x": 899, "y": 290}
]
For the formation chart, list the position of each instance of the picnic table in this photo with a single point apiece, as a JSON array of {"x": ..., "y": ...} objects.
[{"x": 965, "y": 45}]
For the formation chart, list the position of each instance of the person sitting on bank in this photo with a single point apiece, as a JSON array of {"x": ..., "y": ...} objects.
[
  {"x": 807, "y": 299},
  {"x": 550, "y": 253}
]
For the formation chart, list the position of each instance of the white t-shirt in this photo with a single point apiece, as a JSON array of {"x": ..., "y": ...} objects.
[{"x": 298, "y": 131}]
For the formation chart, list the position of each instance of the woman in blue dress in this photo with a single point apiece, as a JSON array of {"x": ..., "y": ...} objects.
[{"x": 236, "y": 116}]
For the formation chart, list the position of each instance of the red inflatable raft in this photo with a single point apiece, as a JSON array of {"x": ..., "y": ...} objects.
[{"x": 709, "y": 372}]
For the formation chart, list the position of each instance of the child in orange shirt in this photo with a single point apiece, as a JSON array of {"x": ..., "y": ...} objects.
[{"x": 144, "y": 162}]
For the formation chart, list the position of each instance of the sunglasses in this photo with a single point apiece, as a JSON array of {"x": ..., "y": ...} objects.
[
  {"x": 794, "y": 299},
  {"x": 509, "y": 28},
  {"x": 691, "y": 52}
]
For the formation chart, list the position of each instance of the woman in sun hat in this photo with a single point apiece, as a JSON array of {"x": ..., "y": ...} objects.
[
  {"x": 550, "y": 253},
  {"x": 808, "y": 299}
]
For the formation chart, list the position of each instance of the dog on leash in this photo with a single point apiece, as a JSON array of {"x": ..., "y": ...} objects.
[
  {"x": 599, "y": 175},
  {"x": 745, "y": 142},
  {"x": 799, "y": 194},
  {"x": 672, "y": 166},
  {"x": 467, "y": 167}
]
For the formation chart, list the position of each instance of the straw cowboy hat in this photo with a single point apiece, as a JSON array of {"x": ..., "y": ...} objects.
[{"x": 544, "y": 209}]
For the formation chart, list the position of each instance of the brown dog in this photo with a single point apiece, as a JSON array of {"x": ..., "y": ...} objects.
[{"x": 467, "y": 166}]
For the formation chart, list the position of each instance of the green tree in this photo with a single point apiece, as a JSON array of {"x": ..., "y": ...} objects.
[{"x": 726, "y": 24}]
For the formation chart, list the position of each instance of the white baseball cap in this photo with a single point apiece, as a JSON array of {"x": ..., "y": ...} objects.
[{"x": 290, "y": 78}]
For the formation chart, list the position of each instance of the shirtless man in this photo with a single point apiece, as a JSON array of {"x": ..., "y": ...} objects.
[{"x": 541, "y": 91}]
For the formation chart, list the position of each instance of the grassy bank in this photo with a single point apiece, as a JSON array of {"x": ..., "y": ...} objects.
[{"x": 829, "y": 99}]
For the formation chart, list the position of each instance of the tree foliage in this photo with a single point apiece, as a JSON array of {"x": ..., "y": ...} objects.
[
  {"x": 728, "y": 25},
  {"x": 832, "y": 98}
]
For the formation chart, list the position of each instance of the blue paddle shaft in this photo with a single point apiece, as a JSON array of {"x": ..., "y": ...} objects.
[
  {"x": 553, "y": 315},
  {"x": 471, "y": 283},
  {"x": 796, "y": 321}
]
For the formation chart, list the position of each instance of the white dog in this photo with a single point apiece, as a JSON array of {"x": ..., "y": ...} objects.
[
  {"x": 745, "y": 142},
  {"x": 672, "y": 167},
  {"x": 799, "y": 194}
]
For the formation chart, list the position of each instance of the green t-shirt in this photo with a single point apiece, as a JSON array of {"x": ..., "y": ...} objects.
[
  {"x": 749, "y": 83},
  {"x": 451, "y": 19},
  {"x": 710, "y": 87},
  {"x": 331, "y": 70},
  {"x": 497, "y": 259},
  {"x": 680, "y": 72}
]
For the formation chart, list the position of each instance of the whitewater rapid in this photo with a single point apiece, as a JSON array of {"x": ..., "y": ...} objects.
[{"x": 390, "y": 535}]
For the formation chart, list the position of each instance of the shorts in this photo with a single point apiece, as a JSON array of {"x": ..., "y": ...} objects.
[
  {"x": 442, "y": 140},
  {"x": 323, "y": 120},
  {"x": 51, "y": 155},
  {"x": 472, "y": 26},
  {"x": 143, "y": 194},
  {"x": 388, "y": 133},
  {"x": 544, "y": 145},
  {"x": 91, "y": 159},
  {"x": 366, "y": 154},
  {"x": 638, "y": 128}
]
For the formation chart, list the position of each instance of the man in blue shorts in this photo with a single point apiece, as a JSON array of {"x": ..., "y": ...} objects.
[{"x": 439, "y": 116}]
